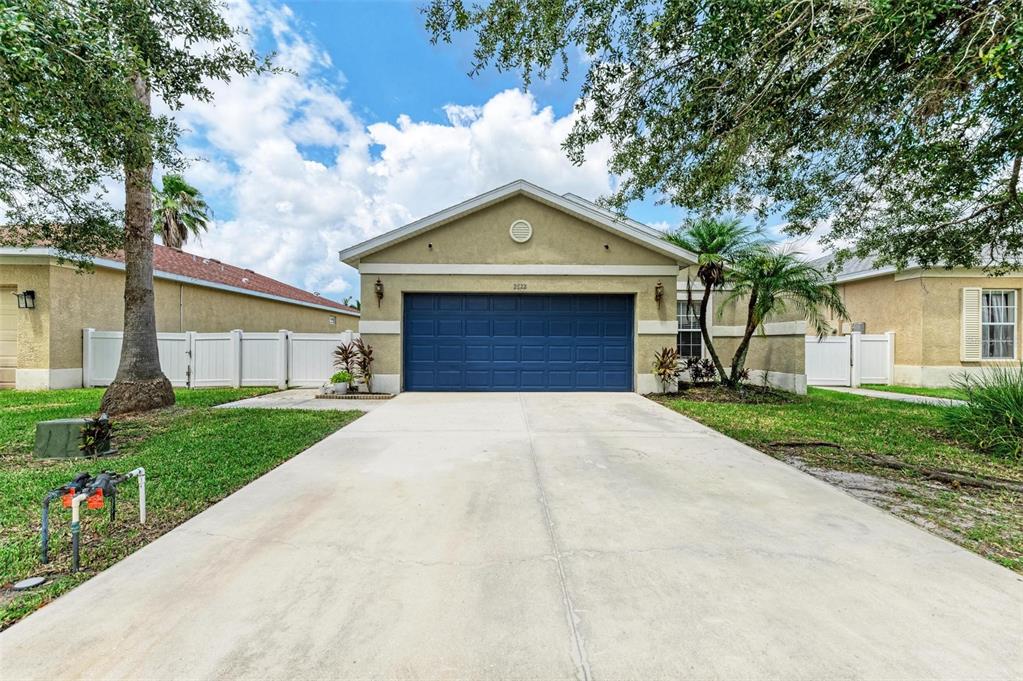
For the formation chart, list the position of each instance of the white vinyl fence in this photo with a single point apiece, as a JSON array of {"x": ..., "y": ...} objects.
[
  {"x": 850, "y": 360},
  {"x": 232, "y": 358}
]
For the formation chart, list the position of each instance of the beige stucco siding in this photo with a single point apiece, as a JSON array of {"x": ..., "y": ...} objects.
[
  {"x": 924, "y": 309},
  {"x": 33, "y": 325},
  {"x": 482, "y": 238},
  {"x": 68, "y": 300}
]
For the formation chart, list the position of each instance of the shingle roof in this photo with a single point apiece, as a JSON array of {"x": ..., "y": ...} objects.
[
  {"x": 178, "y": 262},
  {"x": 851, "y": 266}
]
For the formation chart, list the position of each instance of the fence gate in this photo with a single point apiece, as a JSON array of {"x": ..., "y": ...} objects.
[{"x": 850, "y": 360}]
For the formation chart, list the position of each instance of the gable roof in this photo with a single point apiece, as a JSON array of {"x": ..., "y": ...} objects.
[
  {"x": 177, "y": 265},
  {"x": 571, "y": 204}
]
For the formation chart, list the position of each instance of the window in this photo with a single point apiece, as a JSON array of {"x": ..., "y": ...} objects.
[
  {"x": 998, "y": 324},
  {"x": 690, "y": 344}
]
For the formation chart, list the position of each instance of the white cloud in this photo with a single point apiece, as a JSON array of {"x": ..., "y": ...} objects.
[{"x": 304, "y": 176}]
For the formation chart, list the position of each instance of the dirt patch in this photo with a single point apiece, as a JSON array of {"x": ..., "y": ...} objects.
[{"x": 985, "y": 521}]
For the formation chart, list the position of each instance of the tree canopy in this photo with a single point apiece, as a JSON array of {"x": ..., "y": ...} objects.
[
  {"x": 69, "y": 118},
  {"x": 897, "y": 125}
]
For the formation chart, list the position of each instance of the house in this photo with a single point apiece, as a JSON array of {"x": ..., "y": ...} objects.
[
  {"x": 41, "y": 345},
  {"x": 523, "y": 289},
  {"x": 946, "y": 322}
]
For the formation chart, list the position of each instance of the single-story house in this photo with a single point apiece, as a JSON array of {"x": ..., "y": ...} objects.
[
  {"x": 523, "y": 289},
  {"x": 947, "y": 322},
  {"x": 41, "y": 346}
]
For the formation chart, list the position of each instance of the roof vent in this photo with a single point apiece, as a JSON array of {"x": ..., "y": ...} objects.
[{"x": 521, "y": 231}]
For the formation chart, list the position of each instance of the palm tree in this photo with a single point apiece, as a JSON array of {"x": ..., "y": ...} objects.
[
  {"x": 773, "y": 280},
  {"x": 179, "y": 211},
  {"x": 717, "y": 242}
]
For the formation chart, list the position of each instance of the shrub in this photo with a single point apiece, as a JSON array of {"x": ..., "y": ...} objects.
[
  {"x": 666, "y": 366},
  {"x": 699, "y": 370},
  {"x": 992, "y": 419},
  {"x": 364, "y": 361},
  {"x": 341, "y": 377}
]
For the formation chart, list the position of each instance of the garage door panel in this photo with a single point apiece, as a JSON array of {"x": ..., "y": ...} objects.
[
  {"x": 454, "y": 328},
  {"x": 479, "y": 328},
  {"x": 518, "y": 342},
  {"x": 616, "y": 330},
  {"x": 477, "y": 303},
  {"x": 451, "y": 353}
]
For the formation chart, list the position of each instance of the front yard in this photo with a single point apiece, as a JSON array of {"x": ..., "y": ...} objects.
[
  {"x": 193, "y": 455},
  {"x": 852, "y": 441}
]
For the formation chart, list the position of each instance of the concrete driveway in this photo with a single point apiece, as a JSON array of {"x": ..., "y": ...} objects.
[{"x": 534, "y": 537}]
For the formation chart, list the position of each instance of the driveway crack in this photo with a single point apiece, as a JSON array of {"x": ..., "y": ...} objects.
[{"x": 582, "y": 664}]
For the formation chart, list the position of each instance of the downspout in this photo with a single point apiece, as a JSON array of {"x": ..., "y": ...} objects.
[{"x": 181, "y": 308}]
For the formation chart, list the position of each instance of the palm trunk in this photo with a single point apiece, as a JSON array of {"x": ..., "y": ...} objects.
[
  {"x": 140, "y": 384},
  {"x": 739, "y": 358},
  {"x": 704, "y": 304}
]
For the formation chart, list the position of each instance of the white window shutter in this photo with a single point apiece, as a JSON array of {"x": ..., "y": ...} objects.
[{"x": 970, "y": 347}]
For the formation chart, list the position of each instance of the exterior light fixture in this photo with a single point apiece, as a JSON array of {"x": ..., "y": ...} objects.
[
  {"x": 658, "y": 292},
  {"x": 378, "y": 289},
  {"x": 26, "y": 300}
]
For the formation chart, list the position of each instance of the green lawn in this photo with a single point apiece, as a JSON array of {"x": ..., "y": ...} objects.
[
  {"x": 193, "y": 456},
  {"x": 950, "y": 393},
  {"x": 988, "y": 522}
]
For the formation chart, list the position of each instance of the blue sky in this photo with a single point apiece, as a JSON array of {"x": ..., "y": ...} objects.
[{"x": 374, "y": 128}]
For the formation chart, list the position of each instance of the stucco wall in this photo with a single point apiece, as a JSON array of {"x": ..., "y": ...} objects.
[
  {"x": 924, "y": 309},
  {"x": 33, "y": 325},
  {"x": 68, "y": 300},
  {"x": 482, "y": 238}
]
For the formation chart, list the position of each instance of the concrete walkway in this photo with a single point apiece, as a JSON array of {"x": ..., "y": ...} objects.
[
  {"x": 896, "y": 397},
  {"x": 302, "y": 398},
  {"x": 533, "y": 537}
]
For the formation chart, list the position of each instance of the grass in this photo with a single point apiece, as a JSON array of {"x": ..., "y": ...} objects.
[
  {"x": 947, "y": 393},
  {"x": 985, "y": 521},
  {"x": 193, "y": 455}
]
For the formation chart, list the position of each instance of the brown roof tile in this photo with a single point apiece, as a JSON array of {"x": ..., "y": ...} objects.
[{"x": 178, "y": 262}]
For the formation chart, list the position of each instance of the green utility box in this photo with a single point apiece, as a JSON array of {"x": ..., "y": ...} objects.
[{"x": 65, "y": 438}]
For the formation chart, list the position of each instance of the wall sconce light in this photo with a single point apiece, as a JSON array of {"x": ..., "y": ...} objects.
[
  {"x": 26, "y": 300},
  {"x": 658, "y": 292},
  {"x": 378, "y": 289}
]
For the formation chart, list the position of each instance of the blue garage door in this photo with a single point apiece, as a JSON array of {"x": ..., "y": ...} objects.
[{"x": 517, "y": 342}]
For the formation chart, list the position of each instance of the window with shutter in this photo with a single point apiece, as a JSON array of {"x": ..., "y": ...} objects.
[{"x": 971, "y": 344}]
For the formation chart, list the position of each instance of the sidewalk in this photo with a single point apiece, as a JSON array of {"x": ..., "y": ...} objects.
[{"x": 897, "y": 397}]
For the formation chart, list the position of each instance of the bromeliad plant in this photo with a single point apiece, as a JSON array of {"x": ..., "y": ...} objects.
[
  {"x": 666, "y": 367},
  {"x": 364, "y": 362}
]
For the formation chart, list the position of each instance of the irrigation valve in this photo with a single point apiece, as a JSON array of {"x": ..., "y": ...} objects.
[{"x": 94, "y": 491}]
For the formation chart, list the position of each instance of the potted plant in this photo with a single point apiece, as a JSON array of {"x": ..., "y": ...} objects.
[{"x": 339, "y": 383}]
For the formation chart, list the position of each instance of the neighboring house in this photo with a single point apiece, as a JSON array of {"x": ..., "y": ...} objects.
[
  {"x": 524, "y": 289},
  {"x": 946, "y": 322},
  {"x": 42, "y": 347}
]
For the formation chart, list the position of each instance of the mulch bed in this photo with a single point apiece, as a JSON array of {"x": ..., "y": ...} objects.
[
  {"x": 747, "y": 394},
  {"x": 357, "y": 396}
]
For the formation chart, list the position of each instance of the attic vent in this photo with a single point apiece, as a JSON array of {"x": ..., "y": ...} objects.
[{"x": 521, "y": 231}]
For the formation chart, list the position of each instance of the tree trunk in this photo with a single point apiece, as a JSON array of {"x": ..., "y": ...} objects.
[
  {"x": 140, "y": 384},
  {"x": 739, "y": 358},
  {"x": 704, "y": 304}
]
